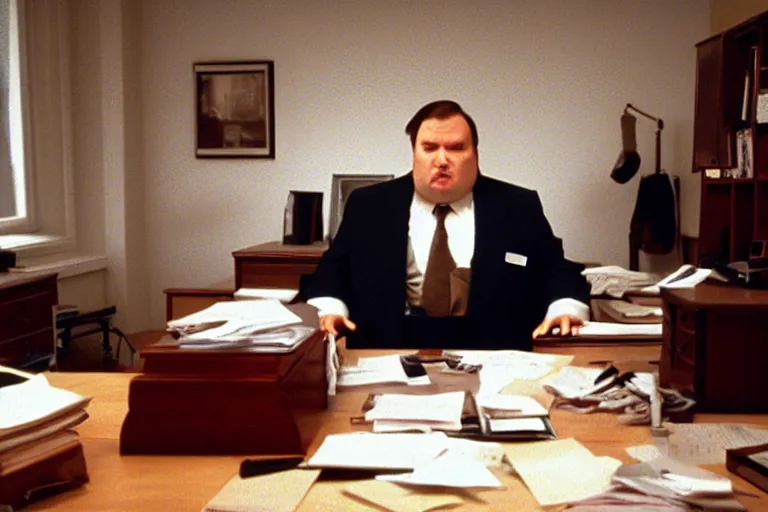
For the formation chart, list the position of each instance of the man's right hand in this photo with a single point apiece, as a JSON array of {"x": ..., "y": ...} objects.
[{"x": 336, "y": 324}]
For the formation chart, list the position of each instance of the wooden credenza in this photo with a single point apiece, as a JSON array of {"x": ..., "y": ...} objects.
[
  {"x": 275, "y": 265},
  {"x": 26, "y": 318},
  {"x": 267, "y": 265},
  {"x": 715, "y": 344}
]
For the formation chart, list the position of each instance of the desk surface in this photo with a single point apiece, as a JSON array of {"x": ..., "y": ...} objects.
[{"x": 180, "y": 483}]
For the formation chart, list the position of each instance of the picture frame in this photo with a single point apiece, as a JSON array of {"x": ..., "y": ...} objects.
[
  {"x": 341, "y": 186},
  {"x": 235, "y": 109}
]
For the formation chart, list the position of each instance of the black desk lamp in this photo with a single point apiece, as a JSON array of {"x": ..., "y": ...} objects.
[
  {"x": 654, "y": 225},
  {"x": 629, "y": 160}
]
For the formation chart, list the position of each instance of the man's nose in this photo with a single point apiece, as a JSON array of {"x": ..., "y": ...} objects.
[{"x": 440, "y": 158}]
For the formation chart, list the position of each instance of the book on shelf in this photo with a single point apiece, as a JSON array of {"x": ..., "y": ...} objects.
[{"x": 744, "y": 155}]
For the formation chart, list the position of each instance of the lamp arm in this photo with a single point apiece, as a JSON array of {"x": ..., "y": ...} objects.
[
  {"x": 659, "y": 122},
  {"x": 659, "y": 127}
]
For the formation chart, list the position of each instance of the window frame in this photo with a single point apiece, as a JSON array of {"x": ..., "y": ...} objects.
[{"x": 48, "y": 225}]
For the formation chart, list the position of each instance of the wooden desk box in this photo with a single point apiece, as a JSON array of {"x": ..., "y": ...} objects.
[
  {"x": 275, "y": 265},
  {"x": 216, "y": 402},
  {"x": 715, "y": 344}
]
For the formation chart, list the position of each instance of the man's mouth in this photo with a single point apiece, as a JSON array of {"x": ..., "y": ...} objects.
[{"x": 440, "y": 176}]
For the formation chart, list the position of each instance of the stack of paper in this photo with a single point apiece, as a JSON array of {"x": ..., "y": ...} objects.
[
  {"x": 35, "y": 430},
  {"x": 240, "y": 323},
  {"x": 616, "y": 281},
  {"x": 513, "y": 413},
  {"x": 395, "y": 413}
]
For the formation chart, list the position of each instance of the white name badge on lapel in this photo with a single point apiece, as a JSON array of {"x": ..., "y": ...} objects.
[{"x": 516, "y": 259}]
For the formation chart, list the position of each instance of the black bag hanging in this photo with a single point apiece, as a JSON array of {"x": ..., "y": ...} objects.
[{"x": 654, "y": 221}]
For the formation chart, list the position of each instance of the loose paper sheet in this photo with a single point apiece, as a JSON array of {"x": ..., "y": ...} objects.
[
  {"x": 448, "y": 470},
  {"x": 395, "y": 498},
  {"x": 561, "y": 471},
  {"x": 705, "y": 443},
  {"x": 502, "y": 367},
  {"x": 366, "y": 450},
  {"x": 278, "y": 492}
]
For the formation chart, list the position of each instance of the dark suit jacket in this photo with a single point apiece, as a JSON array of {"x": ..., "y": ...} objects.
[{"x": 366, "y": 268}]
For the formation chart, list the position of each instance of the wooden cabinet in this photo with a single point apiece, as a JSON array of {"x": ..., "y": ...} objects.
[
  {"x": 732, "y": 68},
  {"x": 715, "y": 345},
  {"x": 275, "y": 265},
  {"x": 26, "y": 319}
]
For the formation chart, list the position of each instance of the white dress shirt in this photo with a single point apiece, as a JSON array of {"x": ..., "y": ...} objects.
[{"x": 460, "y": 225}]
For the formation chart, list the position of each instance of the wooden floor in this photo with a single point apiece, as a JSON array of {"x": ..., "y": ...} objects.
[{"x": 86, "y": 355}]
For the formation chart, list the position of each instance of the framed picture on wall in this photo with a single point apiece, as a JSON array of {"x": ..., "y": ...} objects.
[
  {"x": 343, "y": 185},
  {"x": 235, "y": 109}
]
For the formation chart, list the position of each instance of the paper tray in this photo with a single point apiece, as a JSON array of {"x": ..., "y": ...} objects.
[{"x": 738, "y": 462}]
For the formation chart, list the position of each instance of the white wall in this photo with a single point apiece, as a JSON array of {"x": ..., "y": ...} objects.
[{"x": 546, "y": 82}]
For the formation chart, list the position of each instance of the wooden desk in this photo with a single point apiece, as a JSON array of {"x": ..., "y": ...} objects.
[
  {"x": 26, "y": 318},
  {"x": 716, "y": 345},
  {"x": 160, "y": 483},
  {"x": 275, "y": 265}
]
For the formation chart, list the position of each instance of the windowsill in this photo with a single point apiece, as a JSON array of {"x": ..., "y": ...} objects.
[
  {"x": 32, "y": 245},
  {"x": 65, "y": 265},
  {"x": 50, "y": 253}
]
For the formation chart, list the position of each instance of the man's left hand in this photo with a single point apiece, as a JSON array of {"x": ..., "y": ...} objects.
[{"x": 568, "y": 325}]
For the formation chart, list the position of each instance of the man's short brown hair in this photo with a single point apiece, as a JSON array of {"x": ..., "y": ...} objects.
[{"x": 440, "y": 109}]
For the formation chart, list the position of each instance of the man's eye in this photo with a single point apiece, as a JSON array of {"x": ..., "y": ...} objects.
[
  {"x": 429, "y": 147},
  {"x": 456, "y": 147}
]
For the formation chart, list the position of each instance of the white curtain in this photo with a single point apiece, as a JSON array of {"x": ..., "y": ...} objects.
[{"x": 7, "y": 194}]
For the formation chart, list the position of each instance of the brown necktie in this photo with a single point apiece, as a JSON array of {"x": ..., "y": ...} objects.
[{"x": 436, "y": 290}]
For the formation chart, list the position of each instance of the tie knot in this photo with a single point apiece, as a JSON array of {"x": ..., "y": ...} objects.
[{"x": 441, "y": 210}]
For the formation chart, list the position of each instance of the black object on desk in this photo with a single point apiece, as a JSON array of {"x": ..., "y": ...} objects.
[{"x": 257, "y": 467}]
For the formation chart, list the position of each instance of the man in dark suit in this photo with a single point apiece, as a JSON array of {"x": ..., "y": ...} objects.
[{"x": 507, "y": 269}]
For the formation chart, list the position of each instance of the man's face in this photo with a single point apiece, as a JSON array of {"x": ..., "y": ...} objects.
[{"x": 444, "y": 160}]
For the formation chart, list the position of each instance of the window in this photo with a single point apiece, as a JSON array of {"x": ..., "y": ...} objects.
[
  {"x": 14, "y": 205},
  {"x": 36, "y": 194}
]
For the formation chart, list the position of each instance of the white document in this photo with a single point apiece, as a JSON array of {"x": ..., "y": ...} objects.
[
  {"x": 276, "y": 338},
  {"x": 281, "y": 294},
  {"x": 500, "y": 367},
  {"x": 575, "y": 382},
  {"x": 516, "y": 425},
  {"x": 33, "y": 402},
  {"x": 441, "y": 411},
  {"x": 631, "y": 310},
  {"x": 616, "y": 281},
  {"x": 365, "y": 450},
  {"x": 518, "y": 406},
  {"x": 448, "y": 470},
  {"x": 687, "y": 276},
  {"x": 378, "y": 370},
  {"x": 615, "y": 329},
  {"x": 240, "y": 319}
]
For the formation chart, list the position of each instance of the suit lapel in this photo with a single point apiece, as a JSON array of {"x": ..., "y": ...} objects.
[
  {"x": 490, "y": 225},
  {"x": 393, "y": 239}
]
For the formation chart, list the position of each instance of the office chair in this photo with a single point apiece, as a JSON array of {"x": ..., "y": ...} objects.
[{"x": 67, "y": 319}]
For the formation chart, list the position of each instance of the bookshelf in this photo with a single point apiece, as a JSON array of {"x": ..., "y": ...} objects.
[{"x": 730, "y": 146}]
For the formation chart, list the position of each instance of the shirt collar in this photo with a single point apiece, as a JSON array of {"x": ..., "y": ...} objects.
[{"x": 458, "y": 206}]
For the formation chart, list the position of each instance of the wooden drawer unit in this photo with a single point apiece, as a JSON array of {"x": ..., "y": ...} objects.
[
  {"x": 275, "y": 265},
  {"x": 26, "y": 318},
  {"x": 715, "y": 345}
]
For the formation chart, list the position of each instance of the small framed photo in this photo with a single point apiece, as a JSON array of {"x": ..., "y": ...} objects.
[
  {"x": 341, "y": 187},
  {"x": 235, "y": 109}
]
